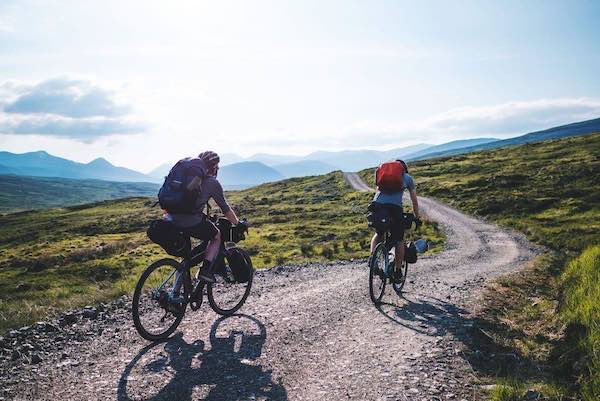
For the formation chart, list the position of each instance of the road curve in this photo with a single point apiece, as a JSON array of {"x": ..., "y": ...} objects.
[
  {"x": 306, "y": 333},
  {"x": 356, "y": 182}
]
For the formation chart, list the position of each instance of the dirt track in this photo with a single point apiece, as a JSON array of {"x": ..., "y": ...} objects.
[{"x": 306, "y": 333}]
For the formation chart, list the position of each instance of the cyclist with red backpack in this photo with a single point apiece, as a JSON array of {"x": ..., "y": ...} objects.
[
  {"x": 392, "y": 179},
  {"x": 191, "y": 183}
]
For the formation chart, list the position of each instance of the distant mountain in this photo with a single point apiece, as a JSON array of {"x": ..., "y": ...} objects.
[
  {"x": 579, "y": 128},
  {"x": 273, "y": 159},
  {"x": 159, "y": 173},
  {"x": 19, "y": 193},
  {"x": 304, "y": 168},
  {"x": 6, "y": 170},
  {"x": 247, "y": 174},
  {"x": 42, "y": 164},
  {"x": 463, "y": 143},
  {"x": 354, "y": 160}
]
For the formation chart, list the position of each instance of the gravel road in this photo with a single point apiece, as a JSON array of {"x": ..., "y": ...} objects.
[
  {"x": 306, "y": 333},
  {"x": 356, "y": 182}
]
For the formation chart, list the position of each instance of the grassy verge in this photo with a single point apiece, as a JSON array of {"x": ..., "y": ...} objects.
[
  {"x": 64, "y": 258},
  {"x": 551, "y": 192}
]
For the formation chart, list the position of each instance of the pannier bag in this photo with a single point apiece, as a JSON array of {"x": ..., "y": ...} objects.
[
  {"x": 174, "y": 196},
  {"x": 240, "y": 264},
  {"x": 379, "y": 217},
  {"x": 164, "y": 233},
  {"x": 389, "y": 176},
  {"x": 410, "y": 252}
]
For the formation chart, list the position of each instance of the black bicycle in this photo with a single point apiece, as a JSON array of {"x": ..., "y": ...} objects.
[
  {"x": 155, "y": 317},
  {"x": 382, "y": 268}
]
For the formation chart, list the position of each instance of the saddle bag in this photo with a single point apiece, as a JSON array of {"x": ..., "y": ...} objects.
[
  {"x": 379, "y": 217},
  {"x": 172, "y": 239}
]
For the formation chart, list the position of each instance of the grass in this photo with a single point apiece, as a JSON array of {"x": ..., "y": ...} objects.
[
  {"x": 551, "y": 192},
  {"x": 19, "y": 193},
  {"x": 68, "y": 257},
  {"x": 581, "y": 311}
]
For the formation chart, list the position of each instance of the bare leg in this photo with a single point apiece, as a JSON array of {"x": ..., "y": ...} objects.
[
  {"x": 399, "y": 255},
  {"x": 213, "y": 247},
  {"x": 374, "y": 241}
]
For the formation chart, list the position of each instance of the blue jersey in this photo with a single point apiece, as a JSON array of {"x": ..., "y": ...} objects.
[{"x": 394, "y": 198}]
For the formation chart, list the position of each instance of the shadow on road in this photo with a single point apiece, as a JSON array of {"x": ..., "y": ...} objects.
[
  {"x": 425, "y": 315},
  {"x": 485, "y": 353},
  {"x": 180, "y": 370}
]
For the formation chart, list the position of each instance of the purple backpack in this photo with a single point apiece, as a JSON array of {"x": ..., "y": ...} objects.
[{"x": 173, "y": 196}]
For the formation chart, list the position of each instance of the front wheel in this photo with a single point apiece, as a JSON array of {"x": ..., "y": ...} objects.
[
  {"x": 226, "y": 295},
  {"x": 377, "y": 276},
  {"x": 154, "y": 318}
]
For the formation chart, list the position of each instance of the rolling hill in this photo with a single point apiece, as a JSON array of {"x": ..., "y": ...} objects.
[
  {"x": 563, "y": 131},
  {"x": 19, "y": 193}
]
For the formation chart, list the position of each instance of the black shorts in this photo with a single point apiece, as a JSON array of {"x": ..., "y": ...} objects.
[{"x": 205, "y": 231}]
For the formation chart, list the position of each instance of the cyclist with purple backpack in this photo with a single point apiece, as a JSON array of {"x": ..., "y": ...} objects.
[{"x": 191, "y": 183}]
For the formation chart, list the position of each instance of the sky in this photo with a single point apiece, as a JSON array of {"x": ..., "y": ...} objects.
[{"x": 144, "y": 82}]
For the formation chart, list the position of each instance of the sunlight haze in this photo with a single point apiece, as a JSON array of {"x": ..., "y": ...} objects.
[{"x": 145, "y": 82}]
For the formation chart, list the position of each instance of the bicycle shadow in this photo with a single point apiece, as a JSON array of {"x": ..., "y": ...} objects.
[
  {"x": 426, "y": 315},
  {"x": 434, "y": 317},
  {"x": 178, "y": 370}
]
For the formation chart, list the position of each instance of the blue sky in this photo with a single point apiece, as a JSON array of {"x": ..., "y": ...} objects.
[{"x": 141, "y": 83}]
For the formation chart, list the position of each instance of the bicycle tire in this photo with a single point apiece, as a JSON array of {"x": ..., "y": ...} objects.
[
  {"x": 398, "y": 286},
  {"x": 146, "y": 332},
  {"x": 212, "y": 288},
  {"x": 377, "y": 277}
]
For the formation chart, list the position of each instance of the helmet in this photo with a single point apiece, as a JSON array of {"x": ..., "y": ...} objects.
[
  {"x": 210, "y": 158},
  {"x": 403, "y": 165}
]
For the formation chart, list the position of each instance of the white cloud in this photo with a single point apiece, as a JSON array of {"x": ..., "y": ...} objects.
[
  {"x": 502, "y": 120},
  {"x": 64, "y": 107}
]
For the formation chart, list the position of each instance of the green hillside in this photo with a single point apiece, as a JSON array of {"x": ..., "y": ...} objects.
[
  {"x": 551, "y": 192},
  {"x": 61, "y": 258},
  {"x": 18, "y": 193}
]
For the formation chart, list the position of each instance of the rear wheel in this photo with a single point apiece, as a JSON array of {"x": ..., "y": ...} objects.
[
  {"x": 153, "y": 316},
  {"x": 226, "y": 296},
  {"x": 377, "y": 276},
  {"x": 399, "y": 281}
]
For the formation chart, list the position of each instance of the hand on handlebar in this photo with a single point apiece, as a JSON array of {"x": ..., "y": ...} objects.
[{"x": 418, "y": 223}]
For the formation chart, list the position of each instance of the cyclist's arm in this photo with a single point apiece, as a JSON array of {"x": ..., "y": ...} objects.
[
  {"x": 219, "y": 197},
  {"x": 415, "y": 202},
  {"x": 232, "y": 217}
]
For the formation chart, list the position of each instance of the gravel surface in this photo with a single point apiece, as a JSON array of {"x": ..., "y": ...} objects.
[
  {"x": 306, "y": 333},
  {"x": 356, "y": 182}
]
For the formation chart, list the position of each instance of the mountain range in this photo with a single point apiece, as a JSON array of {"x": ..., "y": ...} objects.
[{"x": 237, "y": 172}]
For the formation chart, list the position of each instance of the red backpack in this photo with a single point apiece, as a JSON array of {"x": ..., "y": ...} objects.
[{"x": 389, "y": 176}]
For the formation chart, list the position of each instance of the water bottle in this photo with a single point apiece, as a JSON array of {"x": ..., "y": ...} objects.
[{"x": 421, "y": 245}]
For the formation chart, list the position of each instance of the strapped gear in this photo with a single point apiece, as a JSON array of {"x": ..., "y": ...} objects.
[
  {"x": 240, "y": 264},
  {"x": 389, "y": 176},
  {"x": 174, "y": 195},
  {"x": 171, "y": 238}
]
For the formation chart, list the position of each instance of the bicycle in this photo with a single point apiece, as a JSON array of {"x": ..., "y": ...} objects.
[
  {"x": 225, "y": 296},
  {"x": 382, "y": 270}
]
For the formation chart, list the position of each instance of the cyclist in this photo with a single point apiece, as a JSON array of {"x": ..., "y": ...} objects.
[
  {"x": 392, "y": 200},
  {"x": 197, "y": 223}
]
